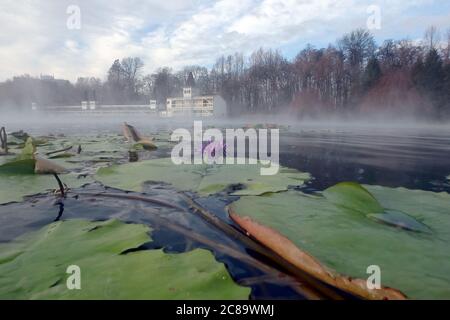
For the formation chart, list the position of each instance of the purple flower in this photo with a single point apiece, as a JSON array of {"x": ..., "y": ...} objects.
[{"x": 211, "y": 147}]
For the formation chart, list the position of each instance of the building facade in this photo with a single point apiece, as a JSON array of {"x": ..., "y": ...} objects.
[{"x": 194, "y": 105}]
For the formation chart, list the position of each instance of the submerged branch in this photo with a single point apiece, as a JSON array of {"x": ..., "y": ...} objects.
[
  {"x": 132, "y": 197},
  {"x": 303, "y": 277},
  {"x": 309, "y": 286},
  {"x": 308, "y": 291},
  {"x": 271, "y": 272}
]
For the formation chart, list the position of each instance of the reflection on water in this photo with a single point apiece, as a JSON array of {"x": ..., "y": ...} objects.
[{"x": 397, "y": 159}]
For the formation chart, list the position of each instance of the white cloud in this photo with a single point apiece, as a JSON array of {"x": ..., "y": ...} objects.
[{"x": 34, "y": 38}]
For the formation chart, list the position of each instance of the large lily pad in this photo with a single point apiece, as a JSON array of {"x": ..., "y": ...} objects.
[
  {"x": 34, "y": 266},
  {"x": 15, "y": 166},
  {"x": 7, "y": 158},
  {"x": 92, "y": 147},
  {"x": 28, "y": 150},
  {"x": 353, "y": 196},
  {"x": 416, "y": 263},
  {"x": 15, "y": 186},
  {"x": 400, "y": 220},
  {"x": 27, "y": 159},
  {"x": 17, "y": 173},
  {"x": 204, "y": 179}
]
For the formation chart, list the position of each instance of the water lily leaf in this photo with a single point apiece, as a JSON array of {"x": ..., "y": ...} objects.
[
  {"x": 34, "y": 266},
  {"x": 7, "y": 158},
  {"x": 13, "y": 141},
  {"x": 204, "y": 179},
  {"x": 400, "y": 220},
  {"x": 108, "y": 148},
  {"x": 28, "y": 162},
  {"x": 353, "y": 196},
  {"x": 415, "y": 263},
  {"x": 18, "y": 167},
  {"x": 20, "y": 135},
  {"x": 62, "y": 155},
  {"x": 14, "y": 186},
  {"x": 28, "y": 150},
  {"x": 247, "y": 180},
  {"x": 147, "y": 144}
]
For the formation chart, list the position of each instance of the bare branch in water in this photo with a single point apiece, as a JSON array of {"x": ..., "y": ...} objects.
[
  {"x": 132, "y": 197},
  {"x": 294, "y": 283},
  {"x": 318, "y": 285}
]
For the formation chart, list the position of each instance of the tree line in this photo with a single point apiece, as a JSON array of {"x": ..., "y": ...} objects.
[{"x": 352, "y": 77}]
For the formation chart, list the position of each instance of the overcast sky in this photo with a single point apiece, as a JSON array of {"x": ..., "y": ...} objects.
[{"x": 35, "y": 39}]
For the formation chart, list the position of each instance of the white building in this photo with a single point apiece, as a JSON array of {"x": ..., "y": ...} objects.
[{"x": 193, "y": 105}]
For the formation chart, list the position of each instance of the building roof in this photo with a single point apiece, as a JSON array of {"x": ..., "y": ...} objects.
[{"x": 190, "y": 82}]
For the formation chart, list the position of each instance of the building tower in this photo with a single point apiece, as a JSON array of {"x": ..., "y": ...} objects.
[{"x": 188, "y": 90}]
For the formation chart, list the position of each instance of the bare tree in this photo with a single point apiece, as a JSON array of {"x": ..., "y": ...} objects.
[
  {"x": 358, "y": 46},
  {"x": 431, "y": 37},
  {"x": 447, "y": 48},
  {"x": 131, "y": 69}
]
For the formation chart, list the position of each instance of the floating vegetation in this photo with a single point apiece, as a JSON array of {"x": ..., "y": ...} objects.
[
  {"x": 34, "y": 266},
  {"x": 400, "y": 220},
  {"x": 18, "y": 171},
  {"x": 15, "y": 186},
  {"x": 327, "y": 228},
  {"x": 352, "y": 196},
  {"x": 204, "y": 179},
  {"x": 28, "y": 161}
]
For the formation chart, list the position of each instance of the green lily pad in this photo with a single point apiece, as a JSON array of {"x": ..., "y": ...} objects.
[
  {"x": 144, "y": 145},
  {"x": 14, "y": 141},
  {"x": 204, "y": 179},
  {"x": 23, "y": 163},
  {"x": 7, "y": 158},
  {"x": 353, "y": 196},
  {"x": 21, "y": 135},
  {"x": 28, "y": 150},
  {"x": 400, "y": 220},
  {"x": 34, "y": 266},
  {"x": 109, "y": 147},
  {"x": 15, "y": 186},
  {"x": 416, "y": 263},
  {"x": 62, "y": 155},
  {"x": 18, "y": 167}
]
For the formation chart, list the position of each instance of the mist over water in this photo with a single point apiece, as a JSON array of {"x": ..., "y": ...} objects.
[{"x": 383, "y": 151}]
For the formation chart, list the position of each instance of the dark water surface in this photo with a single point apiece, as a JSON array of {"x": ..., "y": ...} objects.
[{"x": 402, "y": 158}]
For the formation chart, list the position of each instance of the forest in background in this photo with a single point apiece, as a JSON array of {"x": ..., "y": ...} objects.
[{"x": 354, "y": 77}]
